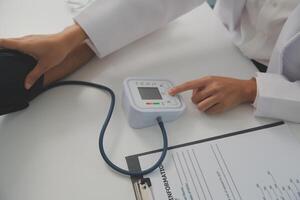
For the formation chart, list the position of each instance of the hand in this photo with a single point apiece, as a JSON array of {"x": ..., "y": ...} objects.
[
  {"x": 217, "y": 94},
  {"x": 49, "y": 50}
]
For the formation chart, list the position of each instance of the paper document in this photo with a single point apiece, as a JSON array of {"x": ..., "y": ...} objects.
[{"x": 256, "y": 164}]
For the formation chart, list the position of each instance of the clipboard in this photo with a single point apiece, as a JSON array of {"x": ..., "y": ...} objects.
[{"x": 142, "y": 185}]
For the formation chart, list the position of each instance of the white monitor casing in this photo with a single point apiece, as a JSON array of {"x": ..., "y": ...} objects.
[{"x": 143, "y": 113}]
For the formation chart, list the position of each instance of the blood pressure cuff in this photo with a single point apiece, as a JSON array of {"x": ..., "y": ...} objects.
[{"x": 14, "y": 67}]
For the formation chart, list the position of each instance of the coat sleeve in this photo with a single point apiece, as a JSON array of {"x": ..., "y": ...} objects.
[
  {"x": 277, "y": 97},
  {"x": 112, "y": 24},
  {"x": 279, "y": 89}
]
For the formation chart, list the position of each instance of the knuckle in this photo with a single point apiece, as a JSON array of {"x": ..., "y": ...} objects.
[
  {"x": 217, "y": 86},
  {"x": 200, "y": 107},
  {"x": 219, "y": 97},
  {"x": 214, "y": 89},
  {"x": 222, "y": 96},
  {"x": 194, "y": 99}
]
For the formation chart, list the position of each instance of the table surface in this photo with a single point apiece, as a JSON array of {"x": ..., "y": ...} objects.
[{"x": 50, "y": 151}]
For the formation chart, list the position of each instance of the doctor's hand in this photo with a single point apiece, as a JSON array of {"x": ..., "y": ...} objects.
[
  {"x": 49, "y": 50},
  {"x": 217, "y": 94}
]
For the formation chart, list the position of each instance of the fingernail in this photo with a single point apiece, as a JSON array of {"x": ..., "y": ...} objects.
[{"x": 28, "y": 85}]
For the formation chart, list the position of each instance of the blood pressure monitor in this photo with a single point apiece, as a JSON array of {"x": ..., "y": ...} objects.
[{"x": 145, "y": 99}]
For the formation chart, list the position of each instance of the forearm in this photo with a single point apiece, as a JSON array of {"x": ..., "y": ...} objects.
[{"x": 81, "y": 55}]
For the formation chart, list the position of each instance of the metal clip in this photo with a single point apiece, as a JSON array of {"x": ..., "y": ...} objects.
[{"x": 143, "y": 190}]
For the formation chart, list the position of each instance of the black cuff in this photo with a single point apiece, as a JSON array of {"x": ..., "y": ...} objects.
[{"x": 14, "y": 67}]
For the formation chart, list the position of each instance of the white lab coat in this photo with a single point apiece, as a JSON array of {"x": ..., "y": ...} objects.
[{"x": 112, "y": 24}]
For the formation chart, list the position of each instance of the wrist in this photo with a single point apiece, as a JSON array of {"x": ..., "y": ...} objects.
[
  {"x": 72, "y": 37},
  {"x": 250, "y": 90}
]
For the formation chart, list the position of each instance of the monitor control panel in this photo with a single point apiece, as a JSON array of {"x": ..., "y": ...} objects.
[{"x": 153, "y": 94}]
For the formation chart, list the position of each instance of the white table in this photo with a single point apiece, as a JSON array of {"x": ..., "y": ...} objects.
[{"x": 50, "y": 151}]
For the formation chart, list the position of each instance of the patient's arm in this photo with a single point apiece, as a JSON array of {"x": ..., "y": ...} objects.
[{"x": 75, "y": 59}]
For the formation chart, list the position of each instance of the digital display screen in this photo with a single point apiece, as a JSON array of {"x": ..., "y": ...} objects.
[{"x": 149, "y": 93}]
